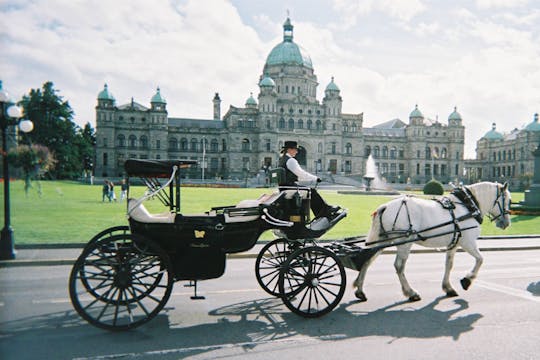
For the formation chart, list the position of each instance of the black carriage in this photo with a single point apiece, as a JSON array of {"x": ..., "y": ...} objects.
[{"x": 125, "y": 274}]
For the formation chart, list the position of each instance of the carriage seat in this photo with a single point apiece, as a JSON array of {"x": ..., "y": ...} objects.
[
  {"x": 248, "y": 210},
  {"x": 141, "y": 214}
]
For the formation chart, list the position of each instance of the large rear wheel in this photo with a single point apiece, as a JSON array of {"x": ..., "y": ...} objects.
[
  {"x": 120, "y": 282},
  {"x": 312, "y": 281}
]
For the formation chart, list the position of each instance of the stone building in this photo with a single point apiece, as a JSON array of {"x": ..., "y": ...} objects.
[
  {"x": 506, "y": 157},
  {"x": 247, "y": 139}
]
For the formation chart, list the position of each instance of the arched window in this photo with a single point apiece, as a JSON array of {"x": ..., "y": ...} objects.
[
  {"x": 281, "y": 123},
  {"x": 393, "y": 152},
  {"x": 444, "y": 153},
  {"x": 291, "y": 124},
  {"x": 385, "y": 152},
  {"x": 121, "y": 140},
  {"x": 367, "y": 151},
  {"x": 214, "y": 145},
  {"x": 223, "y": 145},
  {"x": 333, "y": 148},
  {"x": 348, "y": 149},
  {"x": 300, "y": 123},
  {"x": 428, "y": 153},
  {"x": 184, "y": 145},
  {"x": 376, "y": 152},
  {"x": 143, "y": 142},
  {"x": 173, "y": 144},
  {"x": 246, "y": 145},
  {"x": 320, "y": 148},
  {"x": 354, "y": 127},
  {"x": 345, "y": 127},
  {"x": 318, "y": 125},
  {"x": 132, "y": 141},
  {"x": 193, "y": 146},
  {"x": 309, "y": 124}
]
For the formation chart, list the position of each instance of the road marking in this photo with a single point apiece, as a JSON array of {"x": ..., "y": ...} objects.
[
  {"x": 507, "y": 290},
  {"x": 249, "y": 344}
]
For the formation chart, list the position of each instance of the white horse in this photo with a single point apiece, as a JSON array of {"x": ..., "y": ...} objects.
[{"x": 454, "y": 221}]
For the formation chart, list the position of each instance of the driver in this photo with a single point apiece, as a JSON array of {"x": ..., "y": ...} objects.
[{"x": 294, "y": 173}]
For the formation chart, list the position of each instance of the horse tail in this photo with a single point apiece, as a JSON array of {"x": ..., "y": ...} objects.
[{"x": 375, "y": 230}]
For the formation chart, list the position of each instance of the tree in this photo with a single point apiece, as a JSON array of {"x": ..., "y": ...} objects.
[
  {"x": 33, "y": 160},
  {"x": 54, "y": 128}
]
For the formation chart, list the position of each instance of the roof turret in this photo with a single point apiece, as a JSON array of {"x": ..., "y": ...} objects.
[
  {"x": 157, "y": 98},
  {"x": 455, "y": 115},
  {"x": 535, "y": 125},
  {"x": 332, "y": 86},
  {"x": 493, "y": 134},
  {"x": 105, "y": 94},
  {"x": 416, "y": 113}
]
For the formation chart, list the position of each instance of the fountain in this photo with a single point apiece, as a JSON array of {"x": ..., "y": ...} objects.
[
  {"x": 374, "y": 184},
  {"x": 371, "y": 172}
]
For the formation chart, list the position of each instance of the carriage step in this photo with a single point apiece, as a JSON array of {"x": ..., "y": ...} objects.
[{"x": 193, "y": 284}]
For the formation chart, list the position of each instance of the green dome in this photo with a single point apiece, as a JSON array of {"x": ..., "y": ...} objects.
[
  {"x": 416, "y": 113},
  {"x": 105, "y": 94},
  {"x": 534, "y": 126},
  {"x": 287, "y": 52},
  {"x": 157, "y": 98},
  {"x": 332, "y": 86},
  {"x": 251, "y": 100},
  {"x": 455, "y": 115},
  {"x": 267, "y": 81},
  {"x": 493, "y": 134}
]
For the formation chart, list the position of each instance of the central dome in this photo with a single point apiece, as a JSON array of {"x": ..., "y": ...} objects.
[{"x": 287, "y": 52}]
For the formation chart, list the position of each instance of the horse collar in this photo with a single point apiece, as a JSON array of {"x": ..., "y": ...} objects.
[{"x": 470, "y": 202}]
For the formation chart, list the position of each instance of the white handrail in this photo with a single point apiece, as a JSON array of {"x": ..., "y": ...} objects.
[{"x": 144, "y": 197}]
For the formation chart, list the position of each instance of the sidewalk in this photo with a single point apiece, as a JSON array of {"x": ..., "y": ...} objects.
[{"x": 58, "y": 254}]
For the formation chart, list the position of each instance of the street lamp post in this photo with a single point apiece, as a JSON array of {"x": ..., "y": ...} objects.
[{"x": 9, "y": 116}]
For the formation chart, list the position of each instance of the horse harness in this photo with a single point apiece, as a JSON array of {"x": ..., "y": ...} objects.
[{"x": 465, "y": 198}]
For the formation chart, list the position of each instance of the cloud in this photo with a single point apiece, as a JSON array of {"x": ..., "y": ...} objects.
[{"x": 351, "y": 10}]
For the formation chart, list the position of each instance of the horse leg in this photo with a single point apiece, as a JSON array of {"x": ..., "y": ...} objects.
[
  {"x": 359, "y": 282},
  {"x": 399, "y": 265},
  {"x": 472, "y": 249},
  {"x": 447, "y": 287}
]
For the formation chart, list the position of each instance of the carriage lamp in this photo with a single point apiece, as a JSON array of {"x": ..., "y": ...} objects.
[{"x": 10, "y": 116}]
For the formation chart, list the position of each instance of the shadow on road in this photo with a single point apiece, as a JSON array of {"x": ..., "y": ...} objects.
[
  {"x": 534, "y": 288},
  {"x": 245, "y": 324}
]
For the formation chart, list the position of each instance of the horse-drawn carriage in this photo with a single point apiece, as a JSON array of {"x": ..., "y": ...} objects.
[{"x": 125, "y": 274}]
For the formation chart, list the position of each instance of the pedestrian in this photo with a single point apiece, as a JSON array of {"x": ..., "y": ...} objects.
[
  {"x": 105, "y": 191},
  {"x": 112, "y": 195},
  {"x": 123, "y": 190},
  {"x": 294, "y": 173}
]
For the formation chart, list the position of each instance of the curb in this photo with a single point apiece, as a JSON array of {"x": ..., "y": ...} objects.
[{"x": 61, "y": 262}]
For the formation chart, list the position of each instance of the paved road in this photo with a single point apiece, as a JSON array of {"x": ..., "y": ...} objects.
[{"x": 498, "y": 317}]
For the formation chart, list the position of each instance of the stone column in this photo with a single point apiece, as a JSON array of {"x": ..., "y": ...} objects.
[{"x": 532, "y": 196}]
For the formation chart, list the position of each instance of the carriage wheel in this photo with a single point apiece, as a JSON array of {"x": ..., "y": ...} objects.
[
  {"x": 115, "y": 230},
  {"x": 120, "y": 282},
  {"x": 312, "y": 281},
  {"x": 269, "y": 262}
]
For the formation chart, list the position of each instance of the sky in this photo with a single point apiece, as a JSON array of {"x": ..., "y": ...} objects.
[{"x": 386, "y": 56}]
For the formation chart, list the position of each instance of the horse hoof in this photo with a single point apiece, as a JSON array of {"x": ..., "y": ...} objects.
[
  {"x": 414, "y": 298},
  {"x": 465, "y": 283},
  {"x": 451, "y": 293},
  {"x": 360, "y": 296}
]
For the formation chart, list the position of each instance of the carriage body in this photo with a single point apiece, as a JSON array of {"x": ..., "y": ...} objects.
[{"x": 129, "y": 270}]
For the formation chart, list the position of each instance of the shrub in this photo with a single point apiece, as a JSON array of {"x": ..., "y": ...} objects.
[{"x": 433, "y": 187}]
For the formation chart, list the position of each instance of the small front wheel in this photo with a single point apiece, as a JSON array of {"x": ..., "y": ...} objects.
[
  {"x": 269, "y": 262},
  {"x": 312, "y": 281}
]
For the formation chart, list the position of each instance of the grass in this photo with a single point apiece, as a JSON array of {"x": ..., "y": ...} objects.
[{"x": 70, "y": 212}]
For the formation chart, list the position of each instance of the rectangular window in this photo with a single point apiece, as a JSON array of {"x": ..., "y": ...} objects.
[{"x": 158, "y": 144}]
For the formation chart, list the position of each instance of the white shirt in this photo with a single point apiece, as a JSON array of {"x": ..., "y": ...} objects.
[{"x": 293, "y": 165}]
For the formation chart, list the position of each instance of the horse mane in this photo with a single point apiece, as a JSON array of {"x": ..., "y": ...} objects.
[{"x": 484, "y": 194}]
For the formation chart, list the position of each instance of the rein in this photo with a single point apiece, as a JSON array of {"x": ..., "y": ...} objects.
[{"x": 466, "y": 198}]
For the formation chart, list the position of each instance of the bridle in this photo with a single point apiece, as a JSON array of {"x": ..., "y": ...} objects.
[{"x": 500, "y": 202}]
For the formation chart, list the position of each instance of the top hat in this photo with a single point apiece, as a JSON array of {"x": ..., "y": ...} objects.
[{"x": 290, "y": 145}]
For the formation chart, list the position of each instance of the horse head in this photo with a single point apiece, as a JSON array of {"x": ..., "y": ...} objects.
[{"x": 500, "y": 211}]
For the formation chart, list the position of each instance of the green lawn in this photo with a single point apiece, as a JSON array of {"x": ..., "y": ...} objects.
[{"x": 69, "y": 212}]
